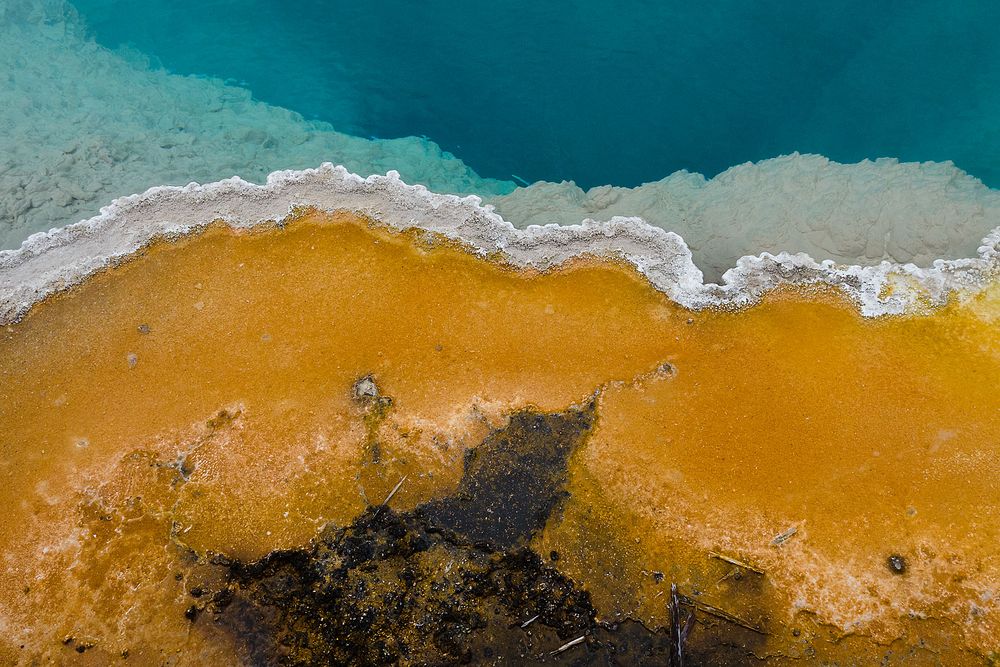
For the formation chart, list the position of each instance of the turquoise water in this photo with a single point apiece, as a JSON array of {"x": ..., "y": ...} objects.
[
  {"x": 105, "y": 98},
  {"x": 602, "y": 92}
]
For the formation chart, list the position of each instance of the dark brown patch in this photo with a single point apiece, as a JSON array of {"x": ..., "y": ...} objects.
[
  {"x": 451, "y": 582},
  {"x": 514, "y": 479}
]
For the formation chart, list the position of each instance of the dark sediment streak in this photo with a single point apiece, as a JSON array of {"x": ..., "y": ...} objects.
[{"x": 450, "y": 582}]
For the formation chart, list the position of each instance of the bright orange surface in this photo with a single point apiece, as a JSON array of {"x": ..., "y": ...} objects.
[{"x": 226, "y": 425}]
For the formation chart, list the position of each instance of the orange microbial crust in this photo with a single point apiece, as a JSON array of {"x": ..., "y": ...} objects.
[{"x": 818, "y": 485}]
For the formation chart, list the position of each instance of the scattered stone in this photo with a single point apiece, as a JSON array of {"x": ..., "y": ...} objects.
[
  {"x": 666, "y": 369},
  {"x": 133, "y": 359},
  {"x": 365, "y": 389},
  {"x": 144, "y": 329},
  {"x": 896, "y": 563}
]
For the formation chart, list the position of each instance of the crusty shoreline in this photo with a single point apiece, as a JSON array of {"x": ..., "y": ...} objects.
[{"x": 48, "y": 262}]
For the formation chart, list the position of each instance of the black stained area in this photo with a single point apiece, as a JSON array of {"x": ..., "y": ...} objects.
[
  {"x": 451, "y": 582},
  {"x": 390, "y": 590},
  {"x": 514, "y": 479}
]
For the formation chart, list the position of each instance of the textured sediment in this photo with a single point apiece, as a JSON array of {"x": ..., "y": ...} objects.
[
  {"x": 48, "y": 262},
  {"x": 860, "y": 213}
]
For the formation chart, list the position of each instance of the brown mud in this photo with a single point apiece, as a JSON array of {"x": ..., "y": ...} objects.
[{"x": 451, "y": 581}]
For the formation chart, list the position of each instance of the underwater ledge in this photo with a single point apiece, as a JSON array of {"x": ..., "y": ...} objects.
[{"x": 231, "y": 410}]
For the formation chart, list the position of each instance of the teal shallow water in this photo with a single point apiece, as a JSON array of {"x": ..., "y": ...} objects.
[
  {"x": 598, "y": 92},
  {"x": 101, "y": 99}
]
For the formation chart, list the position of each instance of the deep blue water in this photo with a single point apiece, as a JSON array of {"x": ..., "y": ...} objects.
[{"x": 604, "y": 92}]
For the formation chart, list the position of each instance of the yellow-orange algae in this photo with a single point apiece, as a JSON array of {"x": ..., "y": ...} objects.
[{"x": 198, "y": 397}]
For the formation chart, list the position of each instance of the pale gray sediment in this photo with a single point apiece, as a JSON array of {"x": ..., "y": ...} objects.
[
  {"x": 861, "y": 213},
  {"x": 81, "y": 125}
]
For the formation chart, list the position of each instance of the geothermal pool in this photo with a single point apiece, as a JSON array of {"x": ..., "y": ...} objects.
[
  {"x": 604, "y": 94},
  {"x": 851, "y": 132},
  {"x": 499, "y": 334}
]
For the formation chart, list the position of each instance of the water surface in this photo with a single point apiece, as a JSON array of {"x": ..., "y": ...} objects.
[{"x": 605, "y": 92}]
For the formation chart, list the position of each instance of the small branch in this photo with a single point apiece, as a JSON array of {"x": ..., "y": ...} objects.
[
  {"x": 394, "y": 490},
  {"x": 738, "y": 563},
  {"x": 569, "y": 645},
  {"x": 785, "y": 536},
  {"x": 724, "y": 615},
  {"x": 679, "y": 630},
  {"x": 391, "y": 494}
]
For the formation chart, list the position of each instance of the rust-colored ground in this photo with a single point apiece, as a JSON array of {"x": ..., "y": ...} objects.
[{"x": 198, "y": 399}]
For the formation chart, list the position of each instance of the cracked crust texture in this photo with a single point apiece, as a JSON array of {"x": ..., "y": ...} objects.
[{"x": 51, "y": 261}]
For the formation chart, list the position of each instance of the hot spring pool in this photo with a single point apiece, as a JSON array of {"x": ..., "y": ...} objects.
[
  {"x": 494, "y": 333},
  {"x": 604, "y": 93}
]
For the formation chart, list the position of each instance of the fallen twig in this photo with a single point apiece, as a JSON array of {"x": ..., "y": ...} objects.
[
  {"x": 569, "y": 645},
  {"x": 781, "y": 538},
  {"x": 391, "y": 494},
  {"x": 738, "y": 563},
  {"x": 724, "y": 615},
  {"x": 678, "y": 632},
  {"x": 394, "y": 490}
]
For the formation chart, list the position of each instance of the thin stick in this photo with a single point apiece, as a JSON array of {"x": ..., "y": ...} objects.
[
  {"x": 785, "y": 536},
  {"x": 726, "y": 616},
  {"x": 394, "y": 490},
  {"x": 738, "y": 563},
  {"x": 569, "y": 645},
  {"x": 530, "y": 621},
  {"x": 676, "y": 642}
]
